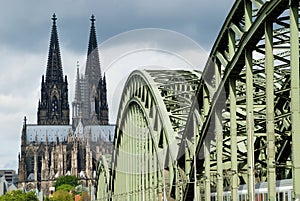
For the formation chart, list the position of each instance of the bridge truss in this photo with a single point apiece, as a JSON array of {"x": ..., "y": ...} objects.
[{"x": 181, "y": 136}]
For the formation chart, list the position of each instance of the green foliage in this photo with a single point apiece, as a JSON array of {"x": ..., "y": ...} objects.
[
  {"x": 19, "y": 195},
  {"x": 68, "y": 179},
  {"x": 46, "y": 198},
  {"x": 66, "y": 187},
  {"x": 61, "y": 195}
]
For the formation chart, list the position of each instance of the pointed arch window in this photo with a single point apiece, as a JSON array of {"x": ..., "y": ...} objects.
[
  {"x": 29, "y": 160},
  {"x": 54, "y": 104}
]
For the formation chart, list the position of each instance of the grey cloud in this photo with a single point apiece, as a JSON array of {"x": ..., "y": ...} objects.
[
  {"x": 25, "y": 27},
  {"x": 27, "y": 24},
  {"x": 159, "y": 40}
]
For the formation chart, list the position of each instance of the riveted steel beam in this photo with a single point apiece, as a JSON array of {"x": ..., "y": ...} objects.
[
  {"x": 295, "y": 95},
  {"x": 233, "y": 140},
  {"x": 257, "y": 123},
  {"x": 250, "y": 123},
  {"x": 269, "y": 70},
  {"x": 207, "y": 144}
]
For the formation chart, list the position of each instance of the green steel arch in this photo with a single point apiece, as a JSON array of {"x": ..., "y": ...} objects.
[
  {"x": 103, "y": 176},
  {"x": 237, "y": 124},
  {"x": 251, "y": 119},
  {"x": 153, "y": 110}
]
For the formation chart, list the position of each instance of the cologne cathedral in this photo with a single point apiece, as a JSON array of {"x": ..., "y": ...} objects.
[{"x": 53, "y": 147}]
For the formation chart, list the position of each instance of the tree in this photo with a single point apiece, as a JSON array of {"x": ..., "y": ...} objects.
[
  {"x": 66, "y": 187},
  {"x": 62, "y": 195},
  {"x": 19, "y": 195},
  {"x": 68, "y": 179}
]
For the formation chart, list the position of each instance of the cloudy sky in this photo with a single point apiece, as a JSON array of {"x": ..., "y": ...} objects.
[{"x": 131, "y": 34}]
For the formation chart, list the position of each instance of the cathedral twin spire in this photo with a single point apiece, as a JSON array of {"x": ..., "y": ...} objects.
[
  {"x": 53, "y": 106},
  {"x": 41, "y": 159},
  {"x": 93, "y": 69},
  {"x": 54, "y": 71},
  {"x": 90, "y": 94}
]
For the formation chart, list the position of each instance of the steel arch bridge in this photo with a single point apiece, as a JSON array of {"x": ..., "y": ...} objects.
[{"x": 182, "y": 136}]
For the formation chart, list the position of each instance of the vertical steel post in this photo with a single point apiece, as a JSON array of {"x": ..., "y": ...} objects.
[
  {"x": 233, "y": 124},
  {"x": 195, "y": 161},
  {"x": 249, "y": 105},
  {"x": 206, "y": 146},
  {"x": 187, "y": 158},
  {"x": 295, "y": 95},
  {"x": 128, "y": 167},
  {"x": 233, "y": 139},
  {"x": 249, "y": 123},
  {"x": 269, "y": 70},
  {"x": 219, "y": 136},
  {"x": 151, "y": 169},
  {"x": 135, "y": 158},
  {"x": 160, "y": 165},
  {"x": 127, "y": 174},
  {"x": 143, "y": 151},
  {"x": 123, "y": 178},
  {"x": 196, "y": 182}
]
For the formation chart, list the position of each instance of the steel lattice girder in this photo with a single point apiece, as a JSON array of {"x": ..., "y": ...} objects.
[
  {"x": 152, "y": 114},
  {"x": 241, "y": 123},
  {"x": 231, "y": 52}
]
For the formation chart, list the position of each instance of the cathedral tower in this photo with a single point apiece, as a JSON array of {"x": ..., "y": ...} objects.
[
  {"x": 53, "y": 108},
  {"x": 90, "y": 103},
  {"x": 92, "y": 70},
  {"x": 52, "y": 147}
]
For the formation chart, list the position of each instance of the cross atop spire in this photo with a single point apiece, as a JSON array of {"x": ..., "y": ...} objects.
[
  {"x": 93, "y": 19},
  {"x": 92, "y": 70},
  {"x": 90, "y": 92},
  {"x": 53, "y": 106},
  {"x": 54, "y": 18},
  {"x": 54, "y": 66}
]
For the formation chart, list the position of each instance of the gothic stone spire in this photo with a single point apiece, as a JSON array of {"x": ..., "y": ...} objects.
[
  {"x": 77, "y": 85},
  {"x": 54, "y": 67},
  {"x": 53, "y": 107},
  {"x": 92, "y": 70}
]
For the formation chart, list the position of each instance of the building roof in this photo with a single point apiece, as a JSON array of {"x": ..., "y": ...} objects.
[
  {"x": 101, "y": 132},
  {"x": 40, "y": 133}
]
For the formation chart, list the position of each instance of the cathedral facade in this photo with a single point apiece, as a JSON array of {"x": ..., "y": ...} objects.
[{"x": 53, "y": 147}]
